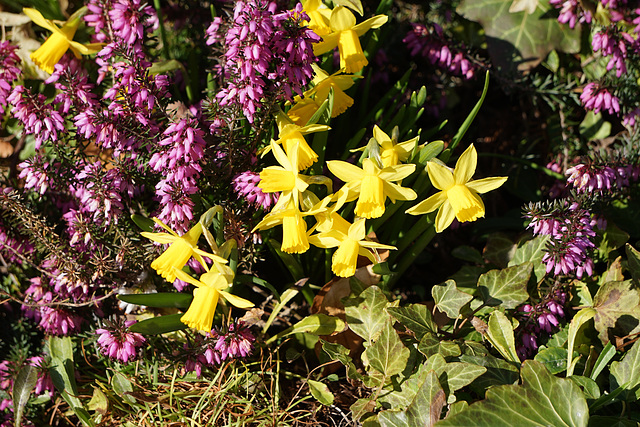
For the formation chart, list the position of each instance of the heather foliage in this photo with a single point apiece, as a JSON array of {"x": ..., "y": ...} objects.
[{"x": 331, "y": 212}]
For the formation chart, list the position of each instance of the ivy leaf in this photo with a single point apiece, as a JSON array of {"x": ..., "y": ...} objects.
[
  {"x": 499, "y": 250},
  {"x": 626, "y": 373},
  {"x": 416, "y": 317},
  {"x": 430, "y": 344},
  {"x": 506, "y": 288},
  {"x": 123, "y": 387},
  {"x": 424, "y": 410},
  {"x": 22, "y": 387},
  {"x": 365, "y": 314},
  {"x": 617, "y": 307},
  {"x": 499, "y": 372},
  {"x": 449, "y": 299},
  {"x": 554, "y": 358},
  {"x": 388, "y": 355},
  {"x": 533, "y": 251},
  {"x": 542, "y": 399},
  {"x": 520, "y": 38},
  {"x": 500, "y": 335}
]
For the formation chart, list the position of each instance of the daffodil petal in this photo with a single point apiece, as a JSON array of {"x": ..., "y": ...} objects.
[
  {"x": 486, "y": 184},
  {"x": 236, "y": 301},
  {"x": 345, "y": 171},
  {"x": 445, "y": 217},
  {"x": 342, "y": 19},
  {"x": 163, "y": 238},
  {"x": 397, "y": 172},
  {"x": 212, "y": 257},
  {"x": 375, "y": 22},
  {"x": 330, "y": 41},
  {"x": 86, "y": 49},
  {"x": 40, "y": 20},
  {"x": 428, "y": 205},
  {"x": 186, "y": 278},
  {"x": 396, "y": 192},
  {"x": 376, "y": 245},
  {"x": 466, "y": 165},
  {"x": 165, "y": 226},
  {"x": 440, "y": 176},
  {"x": 330, "y": 239},
  {"x": 379, "y": 135},
  {"x": 313, "y": 128},
  {"x": 357, "y": 230}
]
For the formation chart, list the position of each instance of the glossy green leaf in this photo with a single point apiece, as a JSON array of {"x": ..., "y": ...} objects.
[
  {"x": 506, "y": 288},
  {"x": 499, "y": 249},
  {"x": 633, "y": 261},
  {"x": 468, "y": 253},
  {"x": 429, "y": 151},
  {"x": 144, "y": 223},
  {"x": 424, "y": 410},
  {"x": 542, "y": 399},
  {"x": 340, "y": 353},
  {"x": 449, "y": 299},
  {"x": 430, "y": 344},
  {"x": 159, "y": 325},
  {"x": 98, "y": 402},
  {"x": 387, "y": 355},
  {"x": 520, "y": 38},
  {"x": 416, "y": 317},
  {"x": 588, "y": 386},
  {"x": 24, "y": 383},
  {"x": 499, "y": 372},
  {"x": 617, "y": 307},
  {"x": 159, "y": 299},
  {"x": 315, "y": 324},
  {"x": 467, "y": 122},
  {"x": 366, "y": 314},
  {"x": 320, "y": 392},
  {"x": 500, "y": 335},
  {"x": 578, "y": 320},
  {"x": 554, "y": 358},
  {"x": 594, "y": 126},
  {"x": 123, "y": 387},
  {"x": 626, "y": 374},
  {"x": 532, "y": 251},
  {"x": 382, "y": 269},
  {"x": 603, "y": 360}
]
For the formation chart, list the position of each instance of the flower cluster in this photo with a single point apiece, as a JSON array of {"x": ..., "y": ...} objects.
[
  {"x": 590, "y": 178},
  {"x": 9, "y": 71},
  {"x": 431, "y": 44},
  {"x": 13, "y": 248},
  {"x": 614, "y": 43},
  {"x": 572, "y": 12},
  {"x": 539, "y": 320},
  {"x": 38, "y": 117},
  {"x": 595, "y": 97},
  {"x": 118, "y": 343},
  {"x": 570, "y": 231},
  {"x": 246, "y": 185}
]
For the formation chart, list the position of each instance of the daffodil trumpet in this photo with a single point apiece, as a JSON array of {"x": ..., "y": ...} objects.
[
  {"x": 458, "y": 197},
  {"x": 61, "y": 39}
]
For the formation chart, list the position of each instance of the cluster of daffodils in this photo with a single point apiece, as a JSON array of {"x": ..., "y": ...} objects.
[{"x": 212, "y": 285}]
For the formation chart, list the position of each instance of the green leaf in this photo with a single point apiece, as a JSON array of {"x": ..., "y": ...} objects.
[
  {"x": 617, "y": 307},
  {"x": 163, "y": 67},
  {"x": 382, "y": 269},
  {"x": 320, "y": 392},
  {"x": 499, "y": 249},
  {"x": 603, "y": 360},
  {"x": 449, "y": 299},
  {"x": 365, "y": 314},
  {"x": 554, "y": 358},
  {"x": 459, "y": 374},
  {"x": 542, "y": 399},
  {"x": 626, "y": 374},
  {"x": 429, "y": 151},
  {"x": 633, "y": 261},
  {"x": 506, "y": 288},
  {"x": 467, "y": 122},
  {"x": 122, "y": 387},
  {"x": 578, "y": 320},
  {"x": 159, "y": 325},
  {"x": 387, "y": 355},
  {"x": 499, "y": 372},
  {"x": 22, "y": 387},
  {"x": 467, "y": 278},
  {"x": 288, "y": 260},
  {"x": 430, "y": 344},
  {"x": 416, "y": 317},
  {"x": 341, "y": 353},
  {"x": 98, "y": 402},
  {"x": 315, "y": 324},
  {"x": 520, "y": 38},
  {"x": 159, "y": 299},
  {"x": 284, "y": 299},
  {"x": 594, "y": 126},
  {"x": 468, "y": 253},
  {"x": 612, "y": 238},
  {"x": 425, "y": 409},
  {"x": 587, "y": 385},
  {"x": 500, "y": 335},
  {"x": 600, "y": 420},
  {"x": 532, "y": 250}
]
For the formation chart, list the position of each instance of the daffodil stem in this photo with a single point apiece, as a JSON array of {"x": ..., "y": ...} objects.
[
  {"x": 411, "y": 255},
  {"x": 163, "y": 34},
  {"x": 423, "y": 223}
]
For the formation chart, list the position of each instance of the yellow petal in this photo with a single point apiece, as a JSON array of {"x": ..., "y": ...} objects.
[
  {"x": 486, "y": 184},
  {"x": 86, "y": 49},
  {"x": 376, "y": 245},
  {"x": 200, "y": 313},
  {"x": 294, "y": 234},
  {"x": 396, "y": 192},
  {"x": 330, "y": 239},
  {"x": 187, "y": 278},
  {"x": 304, "y": 156},
  {"x": 163, "y": 238},
  {"x": 357, "y": 230},
  {"x": 397, "y": 172},
  {"x": 49, "y": 54},
  {"x": 345, "y": 259},
  {"x": 345, "y": 171},
  {"x": 379, "y": 135},
  {"x": 371, "y": 23},
  {"x": 441, "y": 177},
  {"x": 176, "y": 255},
  {"x": 236, "y": 301},
  {"x": 40, "y": 20},
  {"x": 445, "y": 217},
  {"x": 466, "y": 204},
  {"x": 302, "y": 111},
  {"x": 372, "y": 197},
  {"x": 329, "y": 42},
  {"x": 275, "y": 178},
  {"x": 342, "y": 19},
  {"x": 352, "y": 58},
  {"x": 466, "y": 165},
  {"x": 429, "y": 205}
]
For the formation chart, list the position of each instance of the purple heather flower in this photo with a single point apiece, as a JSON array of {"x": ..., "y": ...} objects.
[
  {"x": 118, "y": 343},
  {"x": 630, "y": 119},
  {"x": 236, "y": 343},
  {"x": 600, "y": 179},
  {"x": 98, "y": 191},
  {"x": 12, "y": 244},
  {"x": 571, "y": 12},
  {"x": 44, "y": 382},
  {"x": 9, "y": 71},
  {"x": 538, "y": 321},
  {"x": 37, "y": 117},
  {"x": 614, "y": 43},
  {"x": 596, "y": 98},
  {"x": 72, "y": 82},
  {"x": 131, "y": 19},
  {"x": 246, "y": 185},
  {"x": 98, "y": 17}
]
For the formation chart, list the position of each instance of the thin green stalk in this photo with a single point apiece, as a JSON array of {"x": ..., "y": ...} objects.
[{"x": 163, "y": 34}]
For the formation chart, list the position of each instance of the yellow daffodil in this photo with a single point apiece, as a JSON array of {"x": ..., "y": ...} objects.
[
  {"x": 182, "y": 248},
  {"x": 350, "y": 245},
  {"x": 294, "y": 228},
  {"x": 61, "y": 39},
  {"x": 371, "y": 185},
  {"x": 319, "y": 15},
  {"x": 392, "y": 152},
  {"x": 345, "y": 35},
  {"x": 290, "y": 135},
  {"x": 302, "y": 110},
  {"x": 284, "y": 178},
  {"x": 458, "y": 197},
  {"x": 209, "y": 289},
  {"x": 324, "y": 82}
]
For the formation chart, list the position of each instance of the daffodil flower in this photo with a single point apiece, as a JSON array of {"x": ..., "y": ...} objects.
[
  {"x": 209, "y": 289},
  {"x": 350, "y": 245},
  {"x": 392, "y": 152},
  {"x": 290, "y": 135},
  {"x": 371, "y": 185},
  {"x": 345, "y": 35},
  {"x": 61, "y": 39},
  {"x": 302, "y": 110},
  {"x": 458, "y": 197},
  {"x": 319, "y": 15},
  {"x": 182, "y": 248},
  {"x": 324, "y": 82},
  {"x": 284, "y": 178}
]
